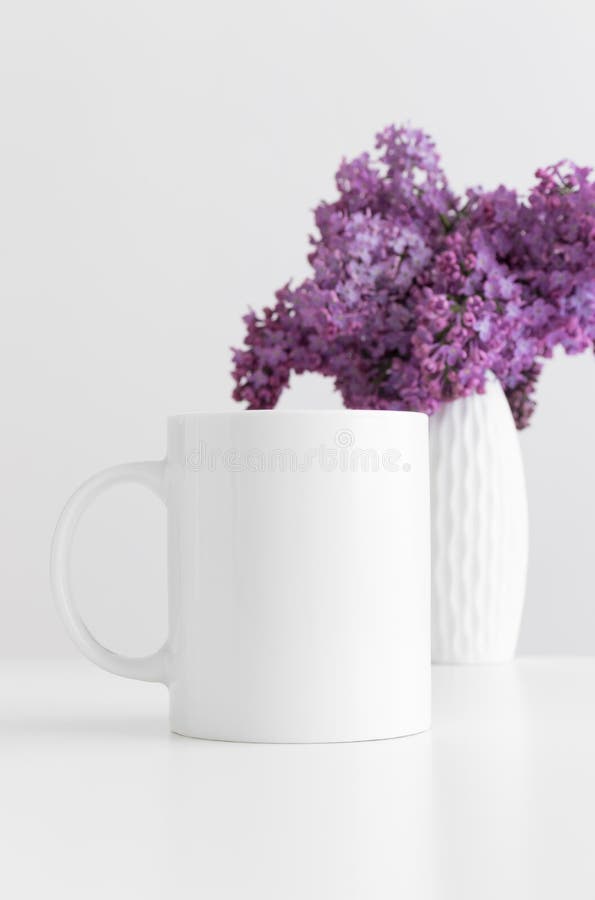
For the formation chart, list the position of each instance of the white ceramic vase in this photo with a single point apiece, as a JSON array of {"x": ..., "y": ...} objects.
[{"x": 479, "y": 530}]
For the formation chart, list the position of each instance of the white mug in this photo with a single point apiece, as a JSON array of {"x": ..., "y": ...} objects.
[{"x": 299, "y": 575}]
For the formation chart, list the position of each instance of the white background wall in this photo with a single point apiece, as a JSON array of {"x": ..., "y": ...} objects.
[{"x": 158, "y": 165}]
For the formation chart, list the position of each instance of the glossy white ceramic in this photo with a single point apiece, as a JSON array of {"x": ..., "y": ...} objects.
[
  {"x": 299, "y": 575},
  {"x": 479, "y": 530}
]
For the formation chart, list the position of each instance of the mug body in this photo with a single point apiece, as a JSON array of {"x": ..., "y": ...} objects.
[{"x": 299, "y": 575}]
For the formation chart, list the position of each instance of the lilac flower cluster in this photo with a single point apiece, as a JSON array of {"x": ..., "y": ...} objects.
[{"x": 416, "y": 294}]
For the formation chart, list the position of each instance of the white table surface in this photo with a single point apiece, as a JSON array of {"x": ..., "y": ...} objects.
[{"x": 98, "y": 799}]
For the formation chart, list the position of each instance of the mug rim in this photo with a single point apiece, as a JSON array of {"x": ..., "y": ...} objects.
[{"x": 240, "y": 413}]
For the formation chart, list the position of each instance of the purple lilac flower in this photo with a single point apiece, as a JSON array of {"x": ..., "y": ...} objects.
[
  {"x": 415, "y": 295},
  {"x": 546, "y": 247}
]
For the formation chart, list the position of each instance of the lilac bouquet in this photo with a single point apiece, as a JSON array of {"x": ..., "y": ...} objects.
[{"x": 416, "y": 293}]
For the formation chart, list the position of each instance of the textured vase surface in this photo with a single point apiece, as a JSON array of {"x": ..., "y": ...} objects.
[{"x": 479, "y": 530}]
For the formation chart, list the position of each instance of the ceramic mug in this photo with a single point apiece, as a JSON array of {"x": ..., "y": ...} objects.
[{"x": 299, "y": 575}]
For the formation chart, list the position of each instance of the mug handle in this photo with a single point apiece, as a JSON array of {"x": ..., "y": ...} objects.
[{"x": 152, "y": 476}]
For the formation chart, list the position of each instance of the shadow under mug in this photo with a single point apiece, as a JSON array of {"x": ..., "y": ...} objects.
[{"x": 299, "y": 575}]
